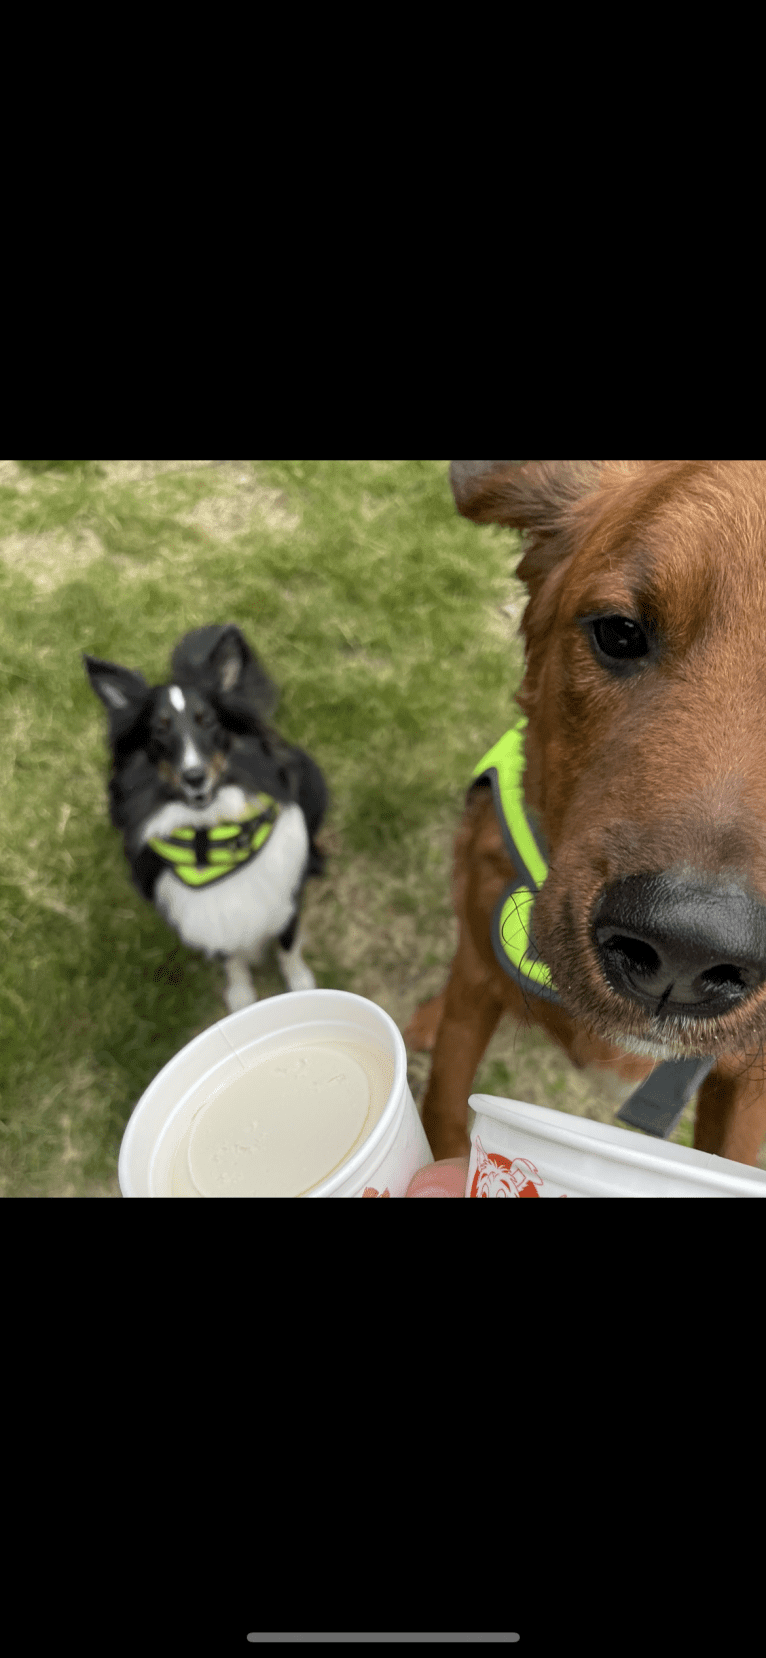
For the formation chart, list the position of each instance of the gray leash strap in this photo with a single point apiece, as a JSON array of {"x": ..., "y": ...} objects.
[{"x": 660, "y": 1101}]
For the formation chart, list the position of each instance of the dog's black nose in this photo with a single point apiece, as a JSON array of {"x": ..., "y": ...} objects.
[
  {"x": 194, "y": 778},
  {"x": 675, "y": 945}
]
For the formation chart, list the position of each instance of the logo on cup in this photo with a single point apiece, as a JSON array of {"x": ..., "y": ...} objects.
[{"x": 499, "y": 1176}]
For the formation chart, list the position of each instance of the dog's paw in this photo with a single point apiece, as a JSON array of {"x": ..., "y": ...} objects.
[{"x": 239, "y": 996}]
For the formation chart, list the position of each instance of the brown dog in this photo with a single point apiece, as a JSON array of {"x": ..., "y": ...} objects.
[{"x": 645, "y": 693}]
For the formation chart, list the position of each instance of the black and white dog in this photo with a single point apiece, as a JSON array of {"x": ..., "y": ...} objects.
[{"x": 218, "y": 813}]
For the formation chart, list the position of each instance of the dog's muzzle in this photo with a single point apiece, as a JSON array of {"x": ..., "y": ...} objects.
[{"x": 677, "y": 947}]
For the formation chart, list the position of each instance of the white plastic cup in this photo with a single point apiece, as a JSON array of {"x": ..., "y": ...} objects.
[
  {"x": 522, "y": 1150},
  {"x": 382, "y": 1166}
]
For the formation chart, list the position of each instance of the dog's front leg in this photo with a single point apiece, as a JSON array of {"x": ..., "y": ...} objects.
[
  {"x": 240, "y": 991},
  {"x": 296, "y": 974},
  {"x": 471, "y": 1012},
  {"x": 423, "y": 1028},
  {"x": 731, "y": 1111}
]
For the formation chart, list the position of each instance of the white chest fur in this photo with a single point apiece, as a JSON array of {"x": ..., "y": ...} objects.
[{"x": 240, "y": 914}]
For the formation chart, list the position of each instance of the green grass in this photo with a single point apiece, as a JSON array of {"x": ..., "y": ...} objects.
[{"x": 376, "y": 608}]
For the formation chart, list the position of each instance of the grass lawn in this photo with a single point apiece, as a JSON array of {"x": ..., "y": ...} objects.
[{"x": 389, "y": 623}]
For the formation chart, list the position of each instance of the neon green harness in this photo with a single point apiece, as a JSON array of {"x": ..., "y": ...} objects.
[
  {"x": 657, "y": 1105},
  {"x": 199, "y": 856},
  {"x": 512, "y": 937}
]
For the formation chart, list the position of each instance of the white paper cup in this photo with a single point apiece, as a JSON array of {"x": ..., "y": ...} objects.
[
  {"x": 521, "y": 1150},
  {"x": 152, "y": 1150}
]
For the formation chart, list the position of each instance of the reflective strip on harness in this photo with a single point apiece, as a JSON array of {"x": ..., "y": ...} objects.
[
  {"x": 512, "y": 936},
  {"x": 199, "y": 856},
  {"x": 658, "y": 1104}
]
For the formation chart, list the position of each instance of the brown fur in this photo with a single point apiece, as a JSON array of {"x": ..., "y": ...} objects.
[{"x": 664, "y": 770}]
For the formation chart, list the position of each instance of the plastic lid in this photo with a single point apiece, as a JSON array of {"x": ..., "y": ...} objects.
[{"x": 280, "y": 1128}]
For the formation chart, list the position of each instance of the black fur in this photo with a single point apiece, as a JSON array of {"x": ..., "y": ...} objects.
[{"x": 234, "y": 697}]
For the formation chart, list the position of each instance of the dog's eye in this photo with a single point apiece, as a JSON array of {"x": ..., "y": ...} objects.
[
  {"x": 619, "y": 639},
  {"x": 204, "y": 718}
]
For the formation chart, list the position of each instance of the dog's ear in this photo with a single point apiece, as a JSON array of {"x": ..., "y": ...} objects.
[
  {"x": 525, "y": 495},
  {"x": 220, "y": 657},
  {"x": 551, "y": 500},
  {"x": 468, "y": 478},
  {"x": 121, "y": 690}
]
